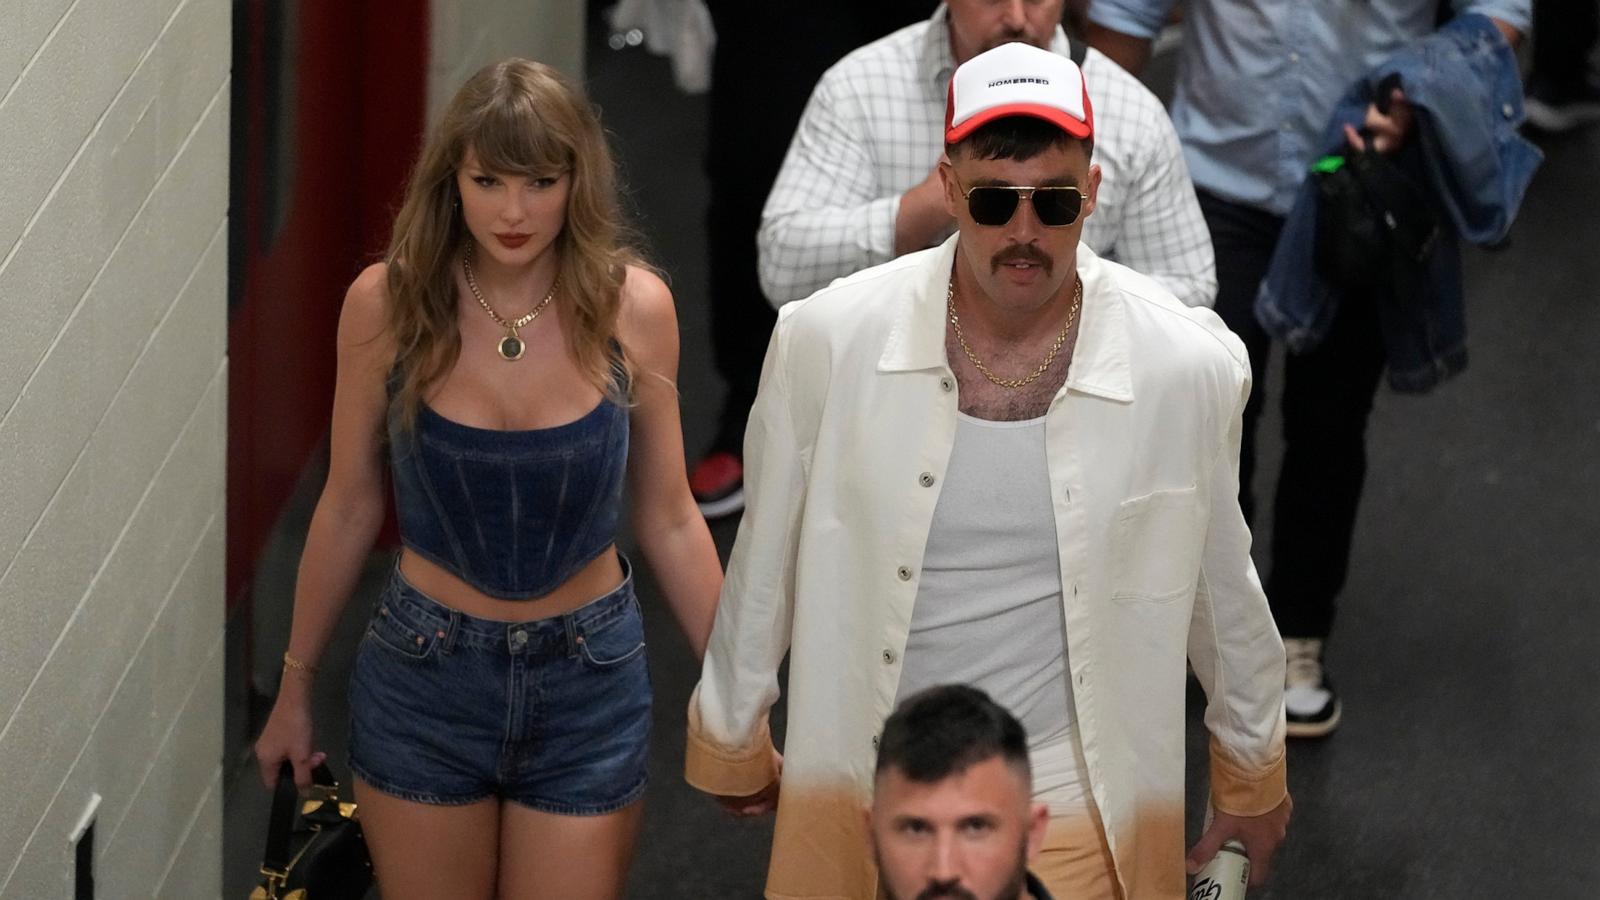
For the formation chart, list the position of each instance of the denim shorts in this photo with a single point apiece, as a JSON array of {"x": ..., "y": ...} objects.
[{"x": 554, "y": 714}]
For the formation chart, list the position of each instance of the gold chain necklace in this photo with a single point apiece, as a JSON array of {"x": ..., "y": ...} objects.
[
  {"x": 511, "y": 346},
  {"x": 1055, "y": 347}
]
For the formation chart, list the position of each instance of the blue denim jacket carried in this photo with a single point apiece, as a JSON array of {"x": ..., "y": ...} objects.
[{"x": 1466, "y": 153}]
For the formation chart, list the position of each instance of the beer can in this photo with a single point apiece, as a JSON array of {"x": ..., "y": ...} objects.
[{"x": 1225, "y": 877}]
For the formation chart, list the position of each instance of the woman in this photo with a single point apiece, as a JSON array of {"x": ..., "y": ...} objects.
[{"x": 513, "y": 360}]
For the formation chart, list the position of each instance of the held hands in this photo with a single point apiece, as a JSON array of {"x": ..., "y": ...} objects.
[
  {"x": 757, "y": 804},
  {"x": 1260, "y": 835},
  {"x": 1389, "y": 131}
]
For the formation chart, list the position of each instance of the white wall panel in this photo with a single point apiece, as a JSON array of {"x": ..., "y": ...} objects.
[{"x": 113, "y": 395}]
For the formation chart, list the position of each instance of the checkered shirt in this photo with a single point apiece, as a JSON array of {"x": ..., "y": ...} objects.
[{"x": 874, "y": 128}]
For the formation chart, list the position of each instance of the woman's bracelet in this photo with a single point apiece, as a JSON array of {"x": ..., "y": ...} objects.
[{"x": 290, "y": 662}]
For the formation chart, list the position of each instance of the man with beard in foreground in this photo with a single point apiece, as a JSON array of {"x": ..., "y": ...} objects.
[{"x": 952, "y": 807}]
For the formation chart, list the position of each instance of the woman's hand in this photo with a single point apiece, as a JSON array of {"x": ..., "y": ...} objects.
[{"x": 287, "y": 736}]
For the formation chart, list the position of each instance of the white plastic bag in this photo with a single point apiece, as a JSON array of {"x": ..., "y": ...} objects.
[{"x": 678, "y": 29}]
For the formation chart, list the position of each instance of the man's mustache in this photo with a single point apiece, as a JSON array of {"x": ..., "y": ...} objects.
[
  {"x": 1021, "y": 253},
  {"x": 946, "y": 890}
]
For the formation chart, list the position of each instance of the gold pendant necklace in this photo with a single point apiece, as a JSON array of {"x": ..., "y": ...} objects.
[
  {"x": 1013, "y": 383},
  {"x": 511, "y": 346}
]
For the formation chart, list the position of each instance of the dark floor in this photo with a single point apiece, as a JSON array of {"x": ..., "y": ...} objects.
[{"x": 1468, "y": 646}]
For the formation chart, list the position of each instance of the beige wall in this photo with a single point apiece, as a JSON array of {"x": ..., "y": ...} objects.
[
  {"x": 113, "y": 266},
  {"x": 468, "y": 34}
]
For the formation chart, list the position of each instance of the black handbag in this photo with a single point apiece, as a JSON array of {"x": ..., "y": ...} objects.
[
  {"x": 1375, "y": 225},
  {"x": 319, "y": 854}
]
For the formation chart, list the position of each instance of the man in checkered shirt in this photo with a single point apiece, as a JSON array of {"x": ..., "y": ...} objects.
[{"x": 860, "y": 184}]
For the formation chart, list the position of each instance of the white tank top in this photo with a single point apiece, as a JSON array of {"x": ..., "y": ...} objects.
[{"x": 988, "y": 610}]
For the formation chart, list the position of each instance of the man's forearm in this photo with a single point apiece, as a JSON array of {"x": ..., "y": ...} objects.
[
  {"x": 1512, "y": 35},
  {"x": 921, "y": 218},
  {"x": 1125, "y": 50},
  {"x": 802, "y": 250}
]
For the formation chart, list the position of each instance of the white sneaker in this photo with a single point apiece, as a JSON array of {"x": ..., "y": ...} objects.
[
  {"x": 1564, "y": 109},
  {"x": 1311, "y": 706}
]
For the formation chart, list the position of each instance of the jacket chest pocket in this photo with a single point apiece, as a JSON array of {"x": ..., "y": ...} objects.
[{"x": 1156, "y": 547}]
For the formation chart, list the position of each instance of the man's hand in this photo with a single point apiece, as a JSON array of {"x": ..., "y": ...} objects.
[
  {"x": 921, "y": 218},
  {"x": 1390, "y": 131},
  {"x": 1260, "y": 835},
  {"x": 759, "y": 803}
]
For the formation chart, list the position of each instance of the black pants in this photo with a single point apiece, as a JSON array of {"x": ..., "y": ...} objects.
[
  {"x": 1564, "y": 34},
  {"x": 768, "y": 57},
  {"x": 1327, "y": 397}
]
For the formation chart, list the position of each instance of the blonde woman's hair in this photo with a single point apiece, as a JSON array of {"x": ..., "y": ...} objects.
[{"x": 519, "y": 117}]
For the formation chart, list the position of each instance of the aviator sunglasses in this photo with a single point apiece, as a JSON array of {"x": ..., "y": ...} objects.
[{"x": 992, "y": 205}]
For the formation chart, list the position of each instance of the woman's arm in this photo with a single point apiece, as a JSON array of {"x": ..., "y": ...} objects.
[
  {"x": 670, "y": 530},
  {"x": 347, "y": 518}
]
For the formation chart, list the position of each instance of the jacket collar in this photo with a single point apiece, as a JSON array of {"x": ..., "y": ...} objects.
[{"x": 1100, "y": 359}]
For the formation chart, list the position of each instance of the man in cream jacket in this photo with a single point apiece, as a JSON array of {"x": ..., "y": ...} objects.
[{"x": 1007, "y": 462}]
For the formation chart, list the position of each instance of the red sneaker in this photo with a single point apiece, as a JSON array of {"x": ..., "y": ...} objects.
[{"x": 717, "y": 483}]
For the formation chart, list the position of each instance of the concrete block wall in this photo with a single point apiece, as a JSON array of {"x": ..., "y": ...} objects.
[
  {"x": 469, "y": 34},
  {"x": 113, "y": 320}
]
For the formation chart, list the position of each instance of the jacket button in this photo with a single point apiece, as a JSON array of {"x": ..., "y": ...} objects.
[
  {"x": 888, "y": 657},
  {"x": 926, "y": 479},
  {"x": 874, "y": 743},
  {"x": 947, "y": 383},
  {"x": 904, "y": 573}
]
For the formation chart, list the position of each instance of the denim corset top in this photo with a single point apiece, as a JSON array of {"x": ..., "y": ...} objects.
[{"x": 514, "y": 514}]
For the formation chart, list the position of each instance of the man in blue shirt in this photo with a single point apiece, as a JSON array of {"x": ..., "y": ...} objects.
[{"x": 1257, "y": 83}]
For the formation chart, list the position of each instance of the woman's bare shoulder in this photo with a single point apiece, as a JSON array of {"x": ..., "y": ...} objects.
[
  {"x": 365, "y": 314},
  {"x": 369, "y": 293},
  {"x": 646, "y": 300}
]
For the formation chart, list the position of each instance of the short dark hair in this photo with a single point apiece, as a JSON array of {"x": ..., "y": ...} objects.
[
  {"x": 1015, "y": 137},
  {"x": 945, "y": 729}
]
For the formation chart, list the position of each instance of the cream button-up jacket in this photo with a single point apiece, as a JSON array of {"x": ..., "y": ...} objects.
[{"x": 844, "y": 456}]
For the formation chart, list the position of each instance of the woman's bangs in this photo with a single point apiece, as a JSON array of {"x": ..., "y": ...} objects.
[{"x": 517, "y": 141}]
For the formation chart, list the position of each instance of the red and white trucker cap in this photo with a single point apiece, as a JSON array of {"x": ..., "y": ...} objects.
[{"x": 1017, "y": 79}]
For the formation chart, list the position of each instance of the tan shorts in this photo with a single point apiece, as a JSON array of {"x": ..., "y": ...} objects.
[{"x": 1075, "y": 861}]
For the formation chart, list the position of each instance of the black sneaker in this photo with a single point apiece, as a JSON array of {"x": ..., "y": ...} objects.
[
  {"x": 1563, "y": 108},
  {"x": 1311, "y": 706}
]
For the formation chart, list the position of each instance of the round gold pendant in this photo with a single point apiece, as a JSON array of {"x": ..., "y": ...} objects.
[{"x": 511, "y": 348}]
